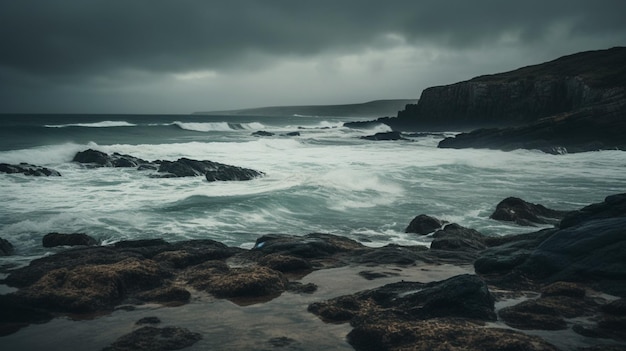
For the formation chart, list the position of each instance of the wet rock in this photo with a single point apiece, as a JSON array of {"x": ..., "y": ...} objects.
[
  {"x": 91, "y": 288},
  {"x": 231, "y": 173},
  {"x": 308, "y": 246},
  {"x": 385, "y": 136},
  {"x": 167, "y": 295},
  {"x": 75, "y": 239},
  {"x": 284, "y": 263},
  {"x": 155, "y": 339},
  {"x": 465, "y": 296},
  {"x": 440, "y": 334},
  {"x": 97, "y": 158},
  {"x": 262, "y": 133},
  {"x": 148, "y": 320},
  {"x": 291, "y": 134},
  {"x": 391, "y": 254},
  {"x": 28, "y": 169},
  {"x": 612, "y": 206},
  {"x": 454, "y": 237},
  {"x": 225, "y": 282},
  {"x": 213, "y": 171},
  {"x": 516, "y": 210},
  {"x": 6, "y": 248},
  {"x": 424, "y": 224},
  {"x": 299, "y": 288}
]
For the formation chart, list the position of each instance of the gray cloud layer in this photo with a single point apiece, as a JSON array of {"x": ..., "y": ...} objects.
[{"x": 46, "y": 43}]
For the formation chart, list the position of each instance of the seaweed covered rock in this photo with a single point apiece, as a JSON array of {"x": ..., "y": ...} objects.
[{"x": 155, "y": 339}]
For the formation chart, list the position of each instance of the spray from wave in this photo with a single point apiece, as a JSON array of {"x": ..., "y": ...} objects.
[{"x": 103, "y": 124}]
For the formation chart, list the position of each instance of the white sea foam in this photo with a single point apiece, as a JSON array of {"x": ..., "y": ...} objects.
[
  {"x": 103, "y": 124},
  {"x": 218, "y": 126}
]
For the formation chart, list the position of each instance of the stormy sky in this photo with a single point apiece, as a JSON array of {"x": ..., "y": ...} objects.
[{"x": 180, "y": 56}]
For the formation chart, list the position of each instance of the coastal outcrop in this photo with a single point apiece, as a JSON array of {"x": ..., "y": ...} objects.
[
  {"x": 6, "y": 248},
  {"x": 183, "y": 167},
  {"x": 552, "y": 279},
  {"x": 74, "y": 239},
  {"x": 513, "y": 209},
  {"x": 28, "y": 169}
]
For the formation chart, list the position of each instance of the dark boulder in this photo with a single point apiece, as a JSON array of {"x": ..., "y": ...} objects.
[
  {"x": 612, "y": 206},
  {"x": 6, "y": 248},
  {"x": 385, "y": 136},
  {"x": 308, "y": 246},
  {"x": 97, "y": 158},
  {"x": 262, "y": 133},
  {"x": 463, "y": 296},
  {"x": 75, "y": 239},
  {"x": 28, "y": 169},
  {"x": 155, "y": 339},
  {"x": 391, "y": 254},
  {"x": 291, "y": 134},
  {"x": 454, "y": 237},
  {"x": 230, "y": 173},
  {"x": 213, "y": 171},
  {"x": 284, "y": 263},
  {"x": 516, "y": 210},
  {"x": 424, "y": 224}
]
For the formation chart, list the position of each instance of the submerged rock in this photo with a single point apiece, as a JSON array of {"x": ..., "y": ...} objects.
[
  {"x": 28, "y": 169},
  {"x": 261, "y": 133},
  {"x": 75, "y": 239},
  {"x": 516, "y": 210},
  {"x": 155, "y": 339},
  {"x": 385, "y": 136}
]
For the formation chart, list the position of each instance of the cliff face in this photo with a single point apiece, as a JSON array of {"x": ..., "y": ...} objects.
[{"x": 568, "y": 84}]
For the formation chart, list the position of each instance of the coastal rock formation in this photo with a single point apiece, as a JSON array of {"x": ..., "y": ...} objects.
[
  {"x": 612, "y": 206},
  {"x": 6, "y": 248},
  {"x": 95, "y": 158},
  {"x": 262, "y": 133},
  {"x": 385, "y": 136},
  {"x": 74, "y": 239},
  {"x": 454, "y": 237},
  {"x": 183, "y": 167},
  {"x": 28, "y": 169},
  {"x": 155, "y": 339},
  {"x": 424, "y": 224},
  {"x": 516, "y": 210}
]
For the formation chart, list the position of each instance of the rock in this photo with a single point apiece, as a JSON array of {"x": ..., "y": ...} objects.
[
  {"x": 424, "y": 224},
  {"x": 230, "y": 173},
  {"x": 291, "y": 134},
  {"x": 612, "y": 206},
  {"x": 148, "y": 320},
  {"x": 75, "y": 239},
  {"x": 28, "y": 169},
  {"x": 155, "y": 339},
  {"x": 308, "y": 246},
  {"x": 168, "y": 295},
  {"x": 454, "y": 237},
  {"x": 284, "y": 263},
  {"x": 391, "y": 254},
  {"x": 97, "y": 158},
  {"x": 6, "y": 248},
  {"x": 91, "y": 288},
  {"x": 223, "y": 282},
  {"x": 464, "y": 296},
  {"x": 440, "y": 334},
  {"x": 17, "y": 314},
  {"x": 385, "y": 136},
  {"x": 262, "y": 133},
  {"x": 516, "y": 210},
  {"x": 213, "y": 171}
]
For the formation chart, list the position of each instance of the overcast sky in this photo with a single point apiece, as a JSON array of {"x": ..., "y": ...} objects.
[{"x": 180, "y": 56}]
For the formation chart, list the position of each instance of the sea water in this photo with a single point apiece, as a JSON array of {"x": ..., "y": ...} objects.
[{"x": 327, "y": 179}]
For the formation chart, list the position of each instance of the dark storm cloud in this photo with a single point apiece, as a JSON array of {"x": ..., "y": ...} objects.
[{"x": 73, "y": 38}]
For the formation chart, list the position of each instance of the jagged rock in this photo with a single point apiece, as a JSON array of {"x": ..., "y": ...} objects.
[
  {"x": 424, "y": 224},
  {"x": 440, "y": 334},
  {"x": 385, "y": 136},
  {"x": 101, "y": 159},
  {"x": 28, "y": 169},
  {"x": 612, "y": 206},
  {"x": 260, "y": 133},
  {"x": 516, "y": 210},
  {"x": 284, "y": 263},
  {"x": 91, "y": 288},
  {"x": 155, "y": 339},
  {"x": 465, "y": 296},
  {"x": 229, "y": 173},
  {"x": 224, "y": 282},
  {"x": 6, "y": 248},
  {"x": 309, "y": 246},
  {"x": 391, "y": 254},
  {"x": 213, "y": 171},
  {"x": 75, "y": 239},
  {"x": 454, "y": 237}
]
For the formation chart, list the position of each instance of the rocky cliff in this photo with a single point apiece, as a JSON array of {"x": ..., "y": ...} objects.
[{"x": 566, "y": 85}]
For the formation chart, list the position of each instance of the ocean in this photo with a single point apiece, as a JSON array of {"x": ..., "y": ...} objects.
[{"x": 326, "y": 179}]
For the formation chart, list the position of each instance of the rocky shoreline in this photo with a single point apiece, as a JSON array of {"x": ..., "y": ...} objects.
[{"x": 493, "y": 293}]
